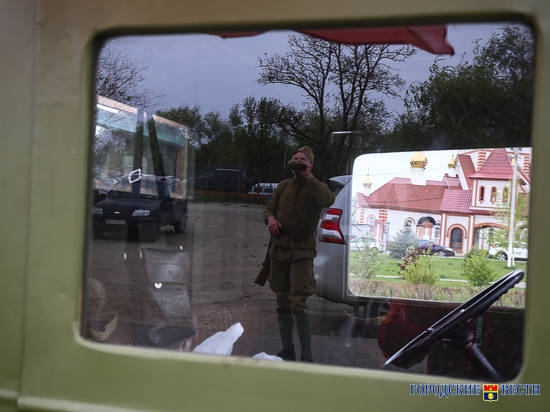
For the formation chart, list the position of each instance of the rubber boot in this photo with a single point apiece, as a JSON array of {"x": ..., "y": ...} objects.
[
  {"x": 303, "y": 324},
  {"x": 286, "y": 326}
]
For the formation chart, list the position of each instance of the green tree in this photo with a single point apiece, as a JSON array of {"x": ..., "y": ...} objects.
[
  {"x": 486, "y": 102},
  {"x": 364, "y": 262},
  {"x": 249, "y": 138},
  {"x": 418, "y": 268},
  {"x": 477, "y": 269},
  {"x": 190, "y": 117},
  {"x": 503, "y": 212},
  {"x": 266, "y": 140},
  {"x": 403, "y": 242}
]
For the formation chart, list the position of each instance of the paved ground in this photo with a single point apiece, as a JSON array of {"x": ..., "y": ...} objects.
[{"x": 202, "y": 280}]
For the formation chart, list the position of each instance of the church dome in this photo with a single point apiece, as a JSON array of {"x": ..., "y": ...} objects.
[
  {"x": 367, "y": 182},
  {"x": 452, "y": 162},
  {"x": 419, "y": 160}
]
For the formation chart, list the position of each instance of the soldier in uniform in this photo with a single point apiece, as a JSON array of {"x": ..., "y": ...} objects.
[{"x": 292, "y": 216}]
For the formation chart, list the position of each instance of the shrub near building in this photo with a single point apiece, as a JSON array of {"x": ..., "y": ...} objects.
[
  {"x": 477, "y": 268},
  {"x": 418, "y": 268},
  {"x": 365, "y": 261}
]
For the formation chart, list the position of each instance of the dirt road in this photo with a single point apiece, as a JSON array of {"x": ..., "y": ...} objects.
[{"x": 207, "y": 273}]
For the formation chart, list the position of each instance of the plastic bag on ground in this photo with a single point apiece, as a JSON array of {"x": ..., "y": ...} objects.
[
  {"x": 263, "y": 355},
  {"x": 221, "y": 343}
]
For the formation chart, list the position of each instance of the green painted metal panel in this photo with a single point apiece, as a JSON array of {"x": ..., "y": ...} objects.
[
  {"x": 16, "y": 113},
  {"x": 48, "y": 121}
]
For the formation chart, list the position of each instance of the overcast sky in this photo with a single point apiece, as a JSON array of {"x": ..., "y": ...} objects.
[
  {"x": 216, "y": 73},
  {"x": 382, "y": 167}
]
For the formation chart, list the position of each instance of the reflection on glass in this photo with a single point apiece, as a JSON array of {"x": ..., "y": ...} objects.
[
  {"x": 191, "y": 140},
  {"x": 434, "y": 236},
  {"x": 139, "y": 186}
]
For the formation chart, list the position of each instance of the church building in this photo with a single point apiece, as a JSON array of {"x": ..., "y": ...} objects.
[{"x": 456, "y": 211}]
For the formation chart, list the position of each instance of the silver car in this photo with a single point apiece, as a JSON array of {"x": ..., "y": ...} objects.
[
  {"x": 333, "y": 247},
  {"x": 331, "y": 263},
  {"x": 361, "y": 242}
]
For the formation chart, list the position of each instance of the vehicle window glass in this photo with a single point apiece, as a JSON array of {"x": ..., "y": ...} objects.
[
  {"x": 467, "y": 233},
  {"x": 350, "y": 151}
]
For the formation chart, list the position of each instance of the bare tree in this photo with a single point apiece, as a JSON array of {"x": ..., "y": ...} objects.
[
  {"x": 120, "y": 78},
  {"x": 358, "y": 70},
  {"x": 342, "y": 85},
  {"x": 306, "y": 65}
]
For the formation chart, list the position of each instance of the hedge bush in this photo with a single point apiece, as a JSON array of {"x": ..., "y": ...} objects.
[
  {"x": 418, "y": 268},
  {"x": 478, "y": 270},
  {"x": 364, "y": 262}
]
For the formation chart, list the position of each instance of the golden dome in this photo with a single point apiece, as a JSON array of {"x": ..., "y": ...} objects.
[
  {"x": 367, "y": 182},
  {"x": 452, "y": 162},
  {"x": 419, "y": 160}
]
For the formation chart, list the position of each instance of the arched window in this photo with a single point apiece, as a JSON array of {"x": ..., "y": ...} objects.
[
  {"x": 481, "y": 193},
  {"x": 409, "y": 222},
  {"x": 505, "y": 195},
  {"x": 493, "y": 195},
  {"x": 482, "y": 236},
  {"x": 456, "y": 238}
]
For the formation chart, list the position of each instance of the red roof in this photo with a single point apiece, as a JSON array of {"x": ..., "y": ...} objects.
[
  {"x": 446, "y": 195},
  {"x": 456, "y": 200},
  {"x": 362, "y": 200},
  {"x": 407, "y": 181},
  {"x": 400, "y": 193},
  {"x": 497, "y": 166},
  {"x": 467, "y": 167}
]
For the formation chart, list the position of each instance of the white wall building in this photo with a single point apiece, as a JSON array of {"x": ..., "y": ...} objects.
[{"x": 458, "y": 210}]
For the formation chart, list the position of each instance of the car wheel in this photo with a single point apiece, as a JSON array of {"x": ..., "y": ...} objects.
[
  {"x": 502, "y": 256},
  {"x": 441, "y": 253}
]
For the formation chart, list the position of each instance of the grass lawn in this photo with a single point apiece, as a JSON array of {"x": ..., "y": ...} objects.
[
  {"x": 445, "y": 267},
  {"x": 455, "y": 292},
  {"x": 385, "y": 282}
]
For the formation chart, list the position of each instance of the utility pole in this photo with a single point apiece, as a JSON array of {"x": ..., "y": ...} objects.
[{"x": 511, "y": 262}]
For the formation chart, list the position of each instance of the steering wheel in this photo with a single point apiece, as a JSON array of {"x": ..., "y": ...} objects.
[{"x": 444, "y": 327}]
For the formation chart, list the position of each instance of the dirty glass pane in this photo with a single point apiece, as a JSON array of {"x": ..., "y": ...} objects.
[{"x": 199, "y": 168}]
